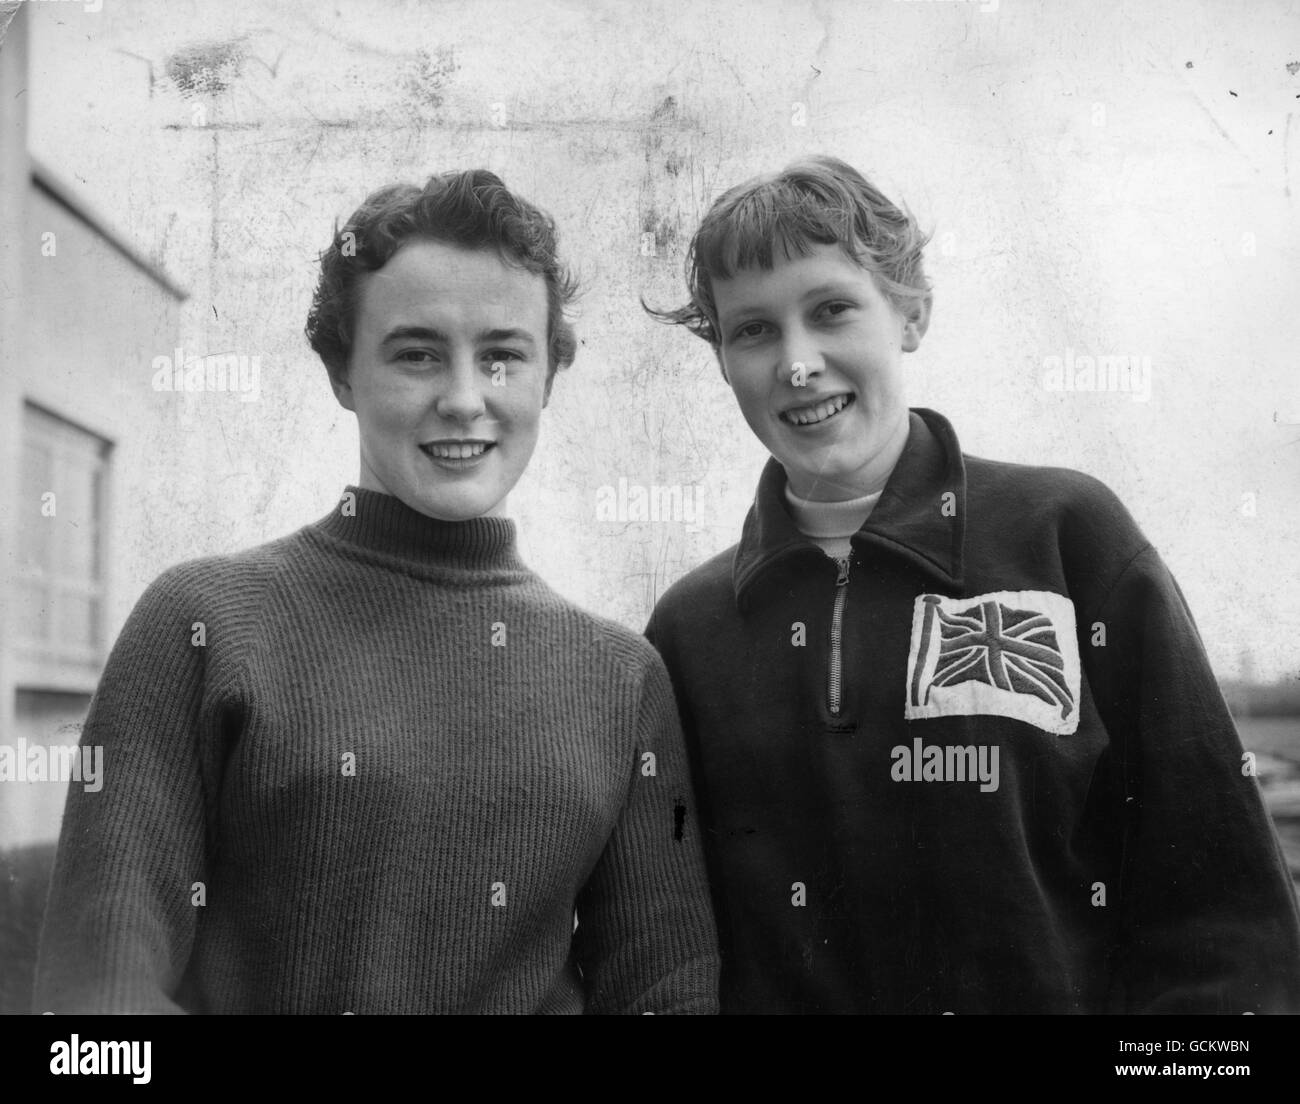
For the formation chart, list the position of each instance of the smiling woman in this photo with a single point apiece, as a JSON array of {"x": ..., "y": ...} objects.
[
  {"x": 813, "y": 350},
  {"x": 448, "y": 376},
  {"x": 379, "y": 765},
  {"x": 898, "y": 612}
]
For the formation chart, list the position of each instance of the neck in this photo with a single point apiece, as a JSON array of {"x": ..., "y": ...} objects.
[{"x": 377, "y": 522}]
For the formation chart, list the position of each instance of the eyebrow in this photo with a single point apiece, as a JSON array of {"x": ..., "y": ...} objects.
[
  {"x": 509, "y": 333},
  {"x": 831, "y": 288},
  {"x": 428, "y": 333}
]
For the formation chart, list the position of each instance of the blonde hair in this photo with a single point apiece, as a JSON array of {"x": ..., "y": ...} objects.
[{"x": 818, "y": 200}]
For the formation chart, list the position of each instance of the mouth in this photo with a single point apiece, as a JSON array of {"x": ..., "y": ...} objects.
[
  {"x": 457, "y": 454},
  {"x": 817, "y": 413}
]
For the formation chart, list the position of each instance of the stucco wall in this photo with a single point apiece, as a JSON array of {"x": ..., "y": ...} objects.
[{"x": 1102, "y": 179}]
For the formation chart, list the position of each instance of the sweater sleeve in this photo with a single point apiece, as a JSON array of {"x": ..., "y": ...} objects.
[
  {"x": 122, "y": 911},
  {"x": 646, "y": 940},
  {"x": 1208, "y": 917}
]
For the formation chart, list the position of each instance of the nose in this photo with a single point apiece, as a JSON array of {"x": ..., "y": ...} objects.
[
  {"x": 460, "y": 399},
  {"x": 801, "y": 359}
]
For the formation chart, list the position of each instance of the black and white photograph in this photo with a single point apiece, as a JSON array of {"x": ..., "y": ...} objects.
[{"x": 736, "y": 507}]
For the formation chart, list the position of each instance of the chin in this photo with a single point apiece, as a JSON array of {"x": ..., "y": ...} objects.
[{"x": 458, "y": 510}]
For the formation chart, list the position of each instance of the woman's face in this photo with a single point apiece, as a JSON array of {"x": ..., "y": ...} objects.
[
  {"x": 447, "y": 377},
  {"x": 814, "y": 353}
]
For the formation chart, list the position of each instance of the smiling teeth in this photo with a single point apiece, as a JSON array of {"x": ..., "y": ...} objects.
[
  {"x": 456, "y": 452},
  {"x": 810, "y": 415}
]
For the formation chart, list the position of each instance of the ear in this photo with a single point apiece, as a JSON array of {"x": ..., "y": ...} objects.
[
  {"x": 915, "y": 322},
  {"x": 343, "y": 392},
  {"x": 546, "y": 390}
]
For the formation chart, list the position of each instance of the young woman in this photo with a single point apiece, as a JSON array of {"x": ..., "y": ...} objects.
[
  {"x": 960, "y": 746},
  {"x": 377, "y": 765}
]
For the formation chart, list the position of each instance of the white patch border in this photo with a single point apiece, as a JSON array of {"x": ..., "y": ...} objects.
[{"x": 969, "y": 699}]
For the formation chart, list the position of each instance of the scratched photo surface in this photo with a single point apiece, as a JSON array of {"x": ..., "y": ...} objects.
[{"x": 1102, "y": 180}]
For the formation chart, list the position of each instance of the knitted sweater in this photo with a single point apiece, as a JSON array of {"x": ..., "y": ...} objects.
[
  {"x": 981, "y": 766},
  {"x": 374, "y": 767}
]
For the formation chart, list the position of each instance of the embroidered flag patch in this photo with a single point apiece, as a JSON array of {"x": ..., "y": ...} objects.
[{"x": 1012, "y": 653}]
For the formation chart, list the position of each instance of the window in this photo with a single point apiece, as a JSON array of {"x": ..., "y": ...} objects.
[{"x": 59, "y": 589}]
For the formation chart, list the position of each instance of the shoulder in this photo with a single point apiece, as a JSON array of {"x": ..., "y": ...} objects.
[
  {"x": 1061, "y": 488},
  {"x": 699, "y": 594},
  {"x": 1030, "y": 519},
  {"x": 602, "y": 645},
  {"x": 1079, "y": 507},
  {"x": 220, "y": 583},
  {"x": 197, "y": 616},
  {"x": 706, "y": 583}
]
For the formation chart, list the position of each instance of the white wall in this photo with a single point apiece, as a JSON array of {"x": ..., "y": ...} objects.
[
  {"x": 89, "y": 320},
  {"x": 93, "y": 321},
  {"x": 1093, "y": 182}
]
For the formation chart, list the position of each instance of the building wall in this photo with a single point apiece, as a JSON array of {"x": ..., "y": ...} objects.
[
  {"x": 82, "y": 323},
  {"x": 91, "y": 324},
  {"x": 14, "y": 175}
]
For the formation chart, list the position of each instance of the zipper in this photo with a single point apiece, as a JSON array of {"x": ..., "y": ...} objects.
[{"x": 837, "y": 632}]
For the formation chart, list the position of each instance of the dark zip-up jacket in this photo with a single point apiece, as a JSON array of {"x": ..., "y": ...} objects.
[{"x": 982, "y": 766}]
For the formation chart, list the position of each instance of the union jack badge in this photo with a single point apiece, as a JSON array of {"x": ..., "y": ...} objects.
[{"x": 1012, "y": 653}]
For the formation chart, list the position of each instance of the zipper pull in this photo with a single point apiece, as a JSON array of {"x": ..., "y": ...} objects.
[{"x": 843, "y": 562}]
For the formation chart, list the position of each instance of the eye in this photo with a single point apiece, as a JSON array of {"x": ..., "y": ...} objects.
[
  {"x": 417, "y": 357},
  {"x": 834, "y": 308},
  {"x": 506, "y": 355},
  {"x": 749, "y": 331}
]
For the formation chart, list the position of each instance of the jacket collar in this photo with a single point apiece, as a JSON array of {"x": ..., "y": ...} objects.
[{"x": 913, "y": 519}]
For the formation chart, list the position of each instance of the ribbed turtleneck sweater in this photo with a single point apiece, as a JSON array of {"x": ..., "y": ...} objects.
[{"x": 376, "y": 766}]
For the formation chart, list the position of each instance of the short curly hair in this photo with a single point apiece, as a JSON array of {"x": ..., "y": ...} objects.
[
  {"x": 472, "y": 208},
  {"x": 818, "y": 200}
]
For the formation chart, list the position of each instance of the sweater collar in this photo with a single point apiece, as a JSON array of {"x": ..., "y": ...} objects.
[
  {"x": 380, "y": 523},
  {"x": 913, "y": 518},
  {"x": 829, "y": 520}
]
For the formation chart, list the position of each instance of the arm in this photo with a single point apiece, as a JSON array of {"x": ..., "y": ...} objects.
[
  {"x": 645, "y": 938},
  {"x": 119, "y": 924},
  {"x": 1208, "y": 917}
]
